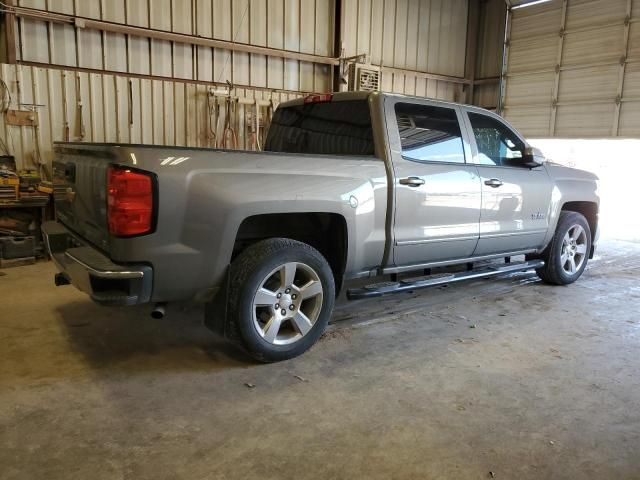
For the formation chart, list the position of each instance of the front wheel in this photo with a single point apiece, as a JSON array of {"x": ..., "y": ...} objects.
[
  {"x": 281, "y": 296},
  {"x": 567, "y": 255}
]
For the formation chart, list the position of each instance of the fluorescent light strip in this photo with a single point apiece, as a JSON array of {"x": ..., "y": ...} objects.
[{"x": 529, "y": 4}]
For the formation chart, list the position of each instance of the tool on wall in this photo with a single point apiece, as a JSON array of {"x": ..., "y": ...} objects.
[
  {"x": 235, "y": 122},
  {"x": 267, "y": 122},
  {"x": 130, "y": 85},
  {"x": 229, "y": 135},
  {"x": 80, "y": 120},
  {"x": 213, "y": 116},
  {"x": 256, "y": 126}
]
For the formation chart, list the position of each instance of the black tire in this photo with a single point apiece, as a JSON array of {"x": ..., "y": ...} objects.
[
  {"x": 553, "y": 272},
  {"x": 248, "y": 271}
]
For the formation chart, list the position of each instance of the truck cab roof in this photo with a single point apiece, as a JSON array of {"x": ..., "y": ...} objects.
[{"x": 350, "y": 96}]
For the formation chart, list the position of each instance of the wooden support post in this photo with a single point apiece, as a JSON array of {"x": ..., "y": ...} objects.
[
  {"x": 337, "y": 44},
  {"x": 471, "y": 54},
  {"x": 615, "y": 131},
  {"x": 505, "y": 63},
  {"x": 554, "y": 97},
  {"x": 10, "y": 34}
]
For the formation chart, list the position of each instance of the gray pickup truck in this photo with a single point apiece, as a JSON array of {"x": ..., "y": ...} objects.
[{"x": 349, "y": 185}]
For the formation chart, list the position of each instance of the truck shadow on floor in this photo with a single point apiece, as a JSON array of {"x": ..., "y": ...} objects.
[{"x": 129, "y": 337}]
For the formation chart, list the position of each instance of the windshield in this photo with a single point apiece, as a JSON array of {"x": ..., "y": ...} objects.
[{"x": 340, "y": 128}]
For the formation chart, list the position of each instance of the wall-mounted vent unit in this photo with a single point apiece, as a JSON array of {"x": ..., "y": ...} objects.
[{"x": 363, "y": 77}]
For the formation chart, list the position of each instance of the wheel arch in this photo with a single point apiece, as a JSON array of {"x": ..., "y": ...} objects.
[
  {"x": 587, "y": 209},
  {"x": 327, "y": 232}
]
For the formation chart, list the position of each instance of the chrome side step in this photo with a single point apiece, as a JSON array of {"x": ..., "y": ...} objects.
[{"x": 379, "y": 289}]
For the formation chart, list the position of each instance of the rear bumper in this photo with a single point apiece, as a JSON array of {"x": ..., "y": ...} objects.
[{"x": 92, "y": 272}]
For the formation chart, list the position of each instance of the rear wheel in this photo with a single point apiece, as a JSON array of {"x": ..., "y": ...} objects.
[
  {"x": 281, "y": 295},
  {"x": 567, "y": 255}
]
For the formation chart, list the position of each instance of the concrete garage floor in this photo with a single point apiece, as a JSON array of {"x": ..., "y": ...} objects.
[{"x": 547, "y": 385}]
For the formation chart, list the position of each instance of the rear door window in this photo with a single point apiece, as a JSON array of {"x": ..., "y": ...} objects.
[
  {"x": 429, "y": 133},
  {"x": 332, "y": 128}
]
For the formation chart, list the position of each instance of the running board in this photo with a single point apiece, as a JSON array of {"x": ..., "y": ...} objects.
[{"x": 379, "y": 289}]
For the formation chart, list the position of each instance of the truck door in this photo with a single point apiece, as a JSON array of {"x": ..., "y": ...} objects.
[
  {"x": 437, "y": 188},
  {"x": 516, "y": 199}
]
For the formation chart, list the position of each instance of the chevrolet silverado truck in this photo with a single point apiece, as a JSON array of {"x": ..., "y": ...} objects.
[{"x": 349, "y": 185}]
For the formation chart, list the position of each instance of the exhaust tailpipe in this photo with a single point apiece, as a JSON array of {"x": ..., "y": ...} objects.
[
  {"x": 61, "y": 279},
  {"x": 158, "y": 311}
]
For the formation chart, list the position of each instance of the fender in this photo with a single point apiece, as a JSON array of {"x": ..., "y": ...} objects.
[{"x": 569, "y": 185}]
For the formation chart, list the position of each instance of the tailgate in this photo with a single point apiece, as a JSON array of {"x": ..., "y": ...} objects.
[{"x": 80, "y": 190}]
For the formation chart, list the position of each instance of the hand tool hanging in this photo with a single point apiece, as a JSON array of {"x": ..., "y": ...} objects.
[
  {"x": 80, "y": 120},
  {"x": 229, "y": 134},
  {"x": 213, "y": 114}
]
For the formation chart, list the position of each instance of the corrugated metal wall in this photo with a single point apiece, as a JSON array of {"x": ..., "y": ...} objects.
[
  {"x": 297, "y": 25},
  {"x": 98, "y": 85},
  {"x": 574, "y": 69},
  {"x": 421, "y": 35}
]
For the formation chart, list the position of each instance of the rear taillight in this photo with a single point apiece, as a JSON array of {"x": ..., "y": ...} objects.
[{"x": 129, "y": 202}]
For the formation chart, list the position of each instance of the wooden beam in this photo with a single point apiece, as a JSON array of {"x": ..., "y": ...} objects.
[
  {"x": 486, "y": 81},
  {"x": 10, "y": 34}
]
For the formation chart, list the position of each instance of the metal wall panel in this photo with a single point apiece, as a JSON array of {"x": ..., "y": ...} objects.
[
  {"x": 308, "y": 28},
  {"x": 535, "y": 21},
  {"x": 532, "y": 54},
  {"x": 421, "y": 35},
  {"x": 584, "y": 120},
  {"x": 574, "y": 69},
  {"x": 603, "y": 45},
  {"x": 586, "y": 13},
  {"x": 523, "y": 90}
]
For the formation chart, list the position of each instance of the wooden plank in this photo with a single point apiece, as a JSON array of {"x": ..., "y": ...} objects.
[{"x": 21, "y": 118}]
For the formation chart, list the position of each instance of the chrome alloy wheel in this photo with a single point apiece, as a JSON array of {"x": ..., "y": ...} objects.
[
  {"x": 287, "y": 303},
  {"x": 574, "y": 249}
]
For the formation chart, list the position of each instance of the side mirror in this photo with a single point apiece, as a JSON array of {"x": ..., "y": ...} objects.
[{"x": 532, "y": 157}]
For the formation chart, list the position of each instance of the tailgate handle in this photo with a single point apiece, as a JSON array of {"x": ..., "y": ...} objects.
[{"x": 70, "y": 172}]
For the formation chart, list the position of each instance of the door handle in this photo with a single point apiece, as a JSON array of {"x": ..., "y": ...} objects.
[
  {"x": 493, "y": 182},
  {"x": 412, "y": 181}
]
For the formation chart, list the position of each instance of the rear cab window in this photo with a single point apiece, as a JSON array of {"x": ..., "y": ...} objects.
[
  {"x": 429, "y": 133},
  {"x": 326, "y": 128}
]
